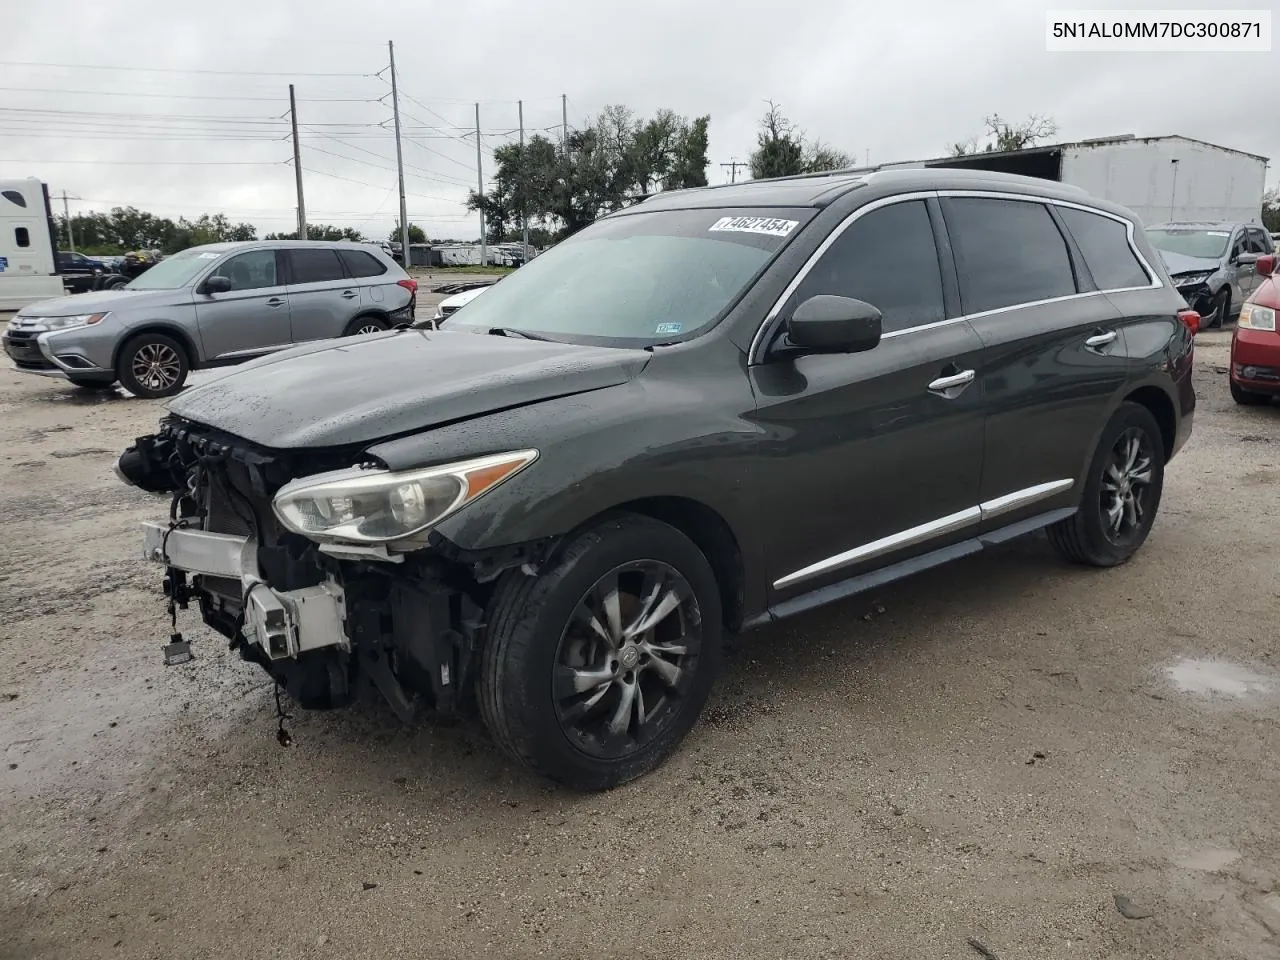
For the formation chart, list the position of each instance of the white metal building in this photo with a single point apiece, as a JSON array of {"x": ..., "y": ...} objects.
[{"x": 1158, "y": 178}]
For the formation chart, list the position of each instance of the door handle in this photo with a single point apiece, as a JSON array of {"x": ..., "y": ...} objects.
[
  {"x": 277, "y": 302},
  {"x": 1101, "y": 339},
  {"x": 961, "y": 379},
  {"x": 349, "y": 294}
]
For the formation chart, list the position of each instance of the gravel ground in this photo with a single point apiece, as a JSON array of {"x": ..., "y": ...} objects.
[{"x": 1006, "y": 750}]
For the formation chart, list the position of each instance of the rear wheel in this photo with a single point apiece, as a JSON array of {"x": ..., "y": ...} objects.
[
  {"x": 363, "y": 325},
  {"x": 1247, "y": 398},
  {"x": 152, "y": 365},
  {"x": 596, "y": 668},
  {"x": 1121, "y": 492}
]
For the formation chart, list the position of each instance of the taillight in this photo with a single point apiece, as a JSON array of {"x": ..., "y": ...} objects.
[
  {"x": 1189, "y": 317},
  {"x": 412, "y": 287}
]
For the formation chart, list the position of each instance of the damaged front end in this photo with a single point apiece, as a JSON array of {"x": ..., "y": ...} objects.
[{"x": 361, "y": 599}]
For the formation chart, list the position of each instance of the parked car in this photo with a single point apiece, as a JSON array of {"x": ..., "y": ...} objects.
[
  {"x": 1255, "y": 344},
  {"x": 128, "y": 268},
  {"x": 451, "y": 305},
  {"x": 705, "y": 412},
  {"x": 78, "y": 271},
  {"x": 1212, "y": 264},
  {"x": 211, "y": 306}
]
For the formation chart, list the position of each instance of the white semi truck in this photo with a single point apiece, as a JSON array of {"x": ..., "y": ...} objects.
[{"x": 28, "y": 256}]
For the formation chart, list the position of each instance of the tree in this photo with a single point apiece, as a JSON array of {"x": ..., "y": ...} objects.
[
  {"x": 782, "y": 150},
  {"x": 416, "y": 234},
  {"x": 616, "y": 160},
  {"x": 1005, "y": 137},
  {"x": 1271, "y": 210}
]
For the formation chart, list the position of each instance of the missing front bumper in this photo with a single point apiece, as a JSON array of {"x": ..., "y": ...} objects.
[{"x": 283, "y": 624}]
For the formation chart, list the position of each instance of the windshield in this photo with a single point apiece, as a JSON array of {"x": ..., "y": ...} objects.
[
  {"x": 638, "y": 279},
  {"x": 1207, "y": 244},
  {"x": 174, "y": 272}
]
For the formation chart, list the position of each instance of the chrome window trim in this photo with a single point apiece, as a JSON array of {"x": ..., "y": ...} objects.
[
  {"x": 1156, "y": 283},
  {"x": 952, "y": 522}
]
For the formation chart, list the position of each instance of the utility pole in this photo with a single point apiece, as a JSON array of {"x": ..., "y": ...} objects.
[
  {"x": 564, "y": 119},
  {"x": 66, "y": 216},
  {"x": 484, "y": 250},
  {"x": 405, "y": 255},
  {"x": 297, "y": 165},
  {"x": 524, "y": 219},
  {"x": 733, "y": 166}
]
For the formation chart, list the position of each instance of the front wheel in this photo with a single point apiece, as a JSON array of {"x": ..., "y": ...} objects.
[
  {"x": 152, "y": 365},
  {"x": 595, "y": 669},
  {"x": 1121, "y": 492}
]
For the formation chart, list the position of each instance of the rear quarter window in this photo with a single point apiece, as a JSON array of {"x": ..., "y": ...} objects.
[
  {"x": 1104, "y": 244},
  {"x": 1008, "y": 252},
  {"x": 360, "y": 264}
]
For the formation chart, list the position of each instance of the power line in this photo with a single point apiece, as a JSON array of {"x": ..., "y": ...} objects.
[
  {"x": 184, "y": 96},
  {"x": 163, "y": 163},
  {"x": 232, "y": 73},
  {"x": 366, "y": 183}
]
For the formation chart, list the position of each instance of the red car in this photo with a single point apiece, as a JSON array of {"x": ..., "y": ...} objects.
[{"x": 1255, "y": 345}]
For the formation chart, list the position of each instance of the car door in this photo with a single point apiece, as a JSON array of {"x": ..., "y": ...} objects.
[
  {"x": 250, "y": 318},
  {"x": 1256, "y": 244},
  {"x": 322, "y": 300},
  {"x": 875, "y": 456},
  {"x": 1239, "y": 273},
  {"x": 1055, "y": 351}
]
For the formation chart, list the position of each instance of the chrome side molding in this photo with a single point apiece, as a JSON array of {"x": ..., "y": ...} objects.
[{"x": 927, "y": 531}]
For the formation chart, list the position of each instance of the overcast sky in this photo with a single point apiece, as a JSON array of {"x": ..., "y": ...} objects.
[{"x": 202, "y": 128}]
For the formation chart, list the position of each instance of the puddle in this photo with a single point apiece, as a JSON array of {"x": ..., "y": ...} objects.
[
  {"x": 1217, "y": 678},
  {"x": 1210, "y": 860}
]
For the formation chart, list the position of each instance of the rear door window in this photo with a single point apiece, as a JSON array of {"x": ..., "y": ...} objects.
[
  {"x": 1258, "y": 242},
  {"x": 360, "y": 264},
  {"x": 1008, "y": 252},
  {"x": 887, "y": 258},
  {"x": 1104, "y": 244},
  {"x": 314, "y": 266}
]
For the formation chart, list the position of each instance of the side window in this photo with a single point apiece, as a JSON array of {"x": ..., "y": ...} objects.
[
  {"x": 1007, "y": 252},
  {"x": 887, "y": 258},
  {"x": 361, "y": 264},
  {"x": 314, "y": 266},
  {"x": 13, "y": 196},
  {"x": 1258, "y": 241},
  {"x": 22, "y": 236},
  {"x": 1241, "y": 245},
  {"x": 1104, "y": 244},
  {"x": 251, "y": 271}
]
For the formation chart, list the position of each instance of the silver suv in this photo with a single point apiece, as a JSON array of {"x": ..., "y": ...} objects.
[{"x": 210, "y": 306}]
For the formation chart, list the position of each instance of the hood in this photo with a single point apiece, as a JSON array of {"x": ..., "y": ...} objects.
[
  {"x": 99, "y": 302},
  {"x": 1268, "y": 293},
  {"x": 1177, "y": 263},
  {"x": 340, "y": 392}
]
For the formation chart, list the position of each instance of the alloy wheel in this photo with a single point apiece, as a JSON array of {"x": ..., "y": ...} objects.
[
  {"x": 368, "y": 328},
  {"x": 1126, "y": 485},
  {"x": 627, "y": 658},
  {"x": 156, "y": 366}
]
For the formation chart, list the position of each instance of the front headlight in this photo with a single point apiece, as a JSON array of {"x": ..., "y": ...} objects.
[
  {"x": 1191, "y": 279},
  {"x": 380, "y": 506},
  {"x": 65, "y": 323},
  {"x": 1254, "y": 316}
]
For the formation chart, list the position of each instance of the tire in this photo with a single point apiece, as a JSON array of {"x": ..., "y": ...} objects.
[
  {"x": 1090, "y": 536},
  {"x": 1220, "y": 307},
  {"x": 550, "y": 685},
  {"x": 84, "y": 384},
  {"x": 153, "y": 365},
  {"x": 1247, "y": 398},
  {"x": 363, "y": 325}
]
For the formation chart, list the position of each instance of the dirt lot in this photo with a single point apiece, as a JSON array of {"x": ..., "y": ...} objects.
[{"x": 993, "y": 750}]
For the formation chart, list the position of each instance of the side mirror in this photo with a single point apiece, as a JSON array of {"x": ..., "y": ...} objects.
[
  {"x": 217, "y": 284},
  {"x": 1266, "y": 265},
  {"x": 1246, "y": 259},
  {"x": 826, "y": 324}
]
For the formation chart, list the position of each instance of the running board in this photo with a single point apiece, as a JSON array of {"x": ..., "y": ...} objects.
[{"x": 905, "y": 568}]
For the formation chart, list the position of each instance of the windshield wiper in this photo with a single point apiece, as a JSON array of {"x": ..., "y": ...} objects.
[{"x": 511, "y": 332}]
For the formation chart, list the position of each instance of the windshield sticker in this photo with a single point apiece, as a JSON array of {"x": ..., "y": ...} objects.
[
  {"x": 1218, "y": 233},
  {"x": 670, "y": 327},
  {"x": 769, "y": 226}
]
